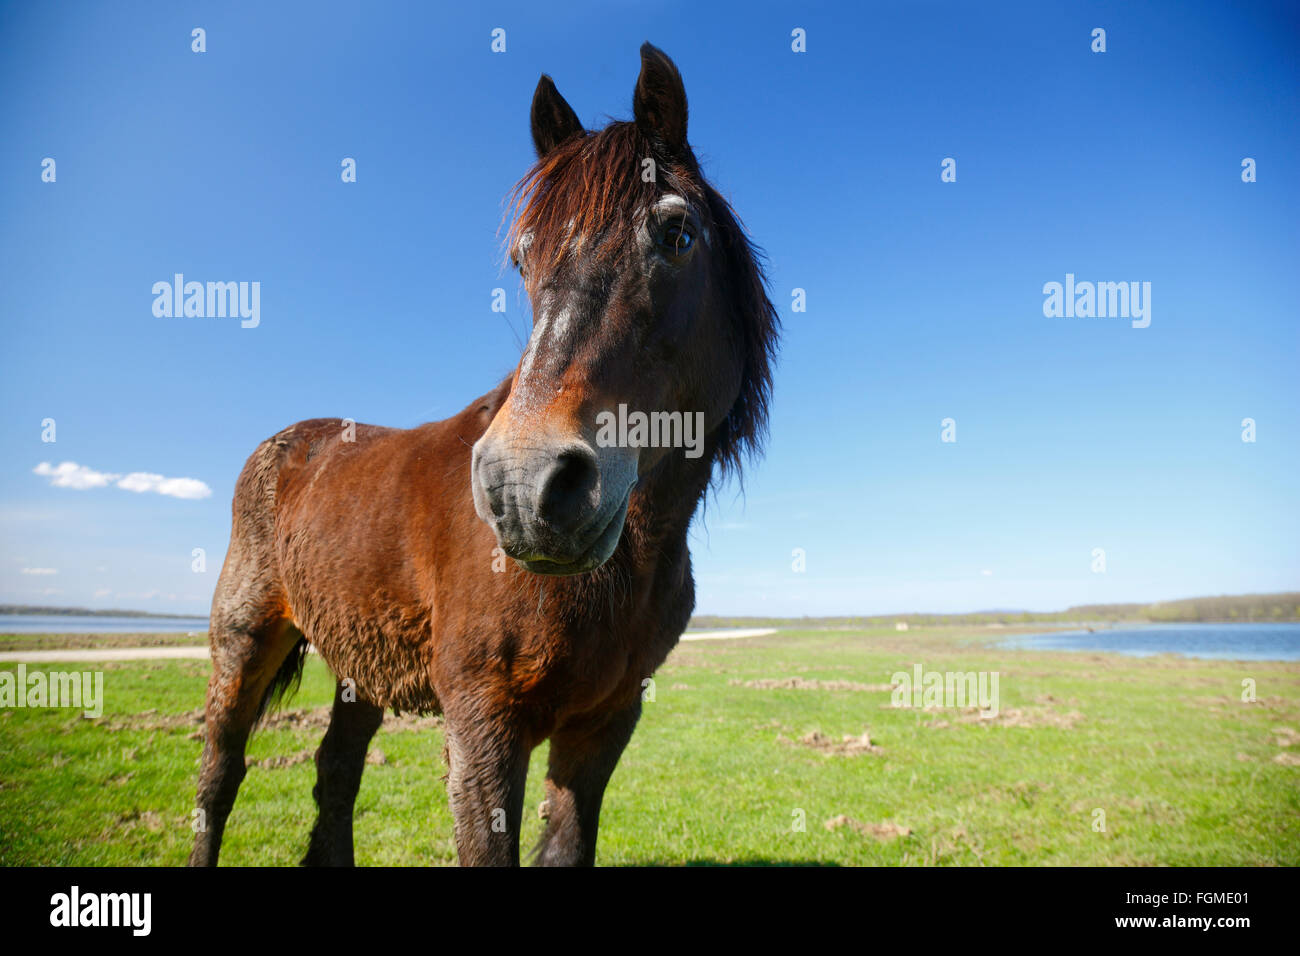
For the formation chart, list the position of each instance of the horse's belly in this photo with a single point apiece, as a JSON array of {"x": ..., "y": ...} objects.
[{"x": 385, "y": 654}]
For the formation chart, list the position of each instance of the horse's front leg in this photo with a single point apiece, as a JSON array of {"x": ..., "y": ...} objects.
[
  {"x": 583, "y": 756},
  {"x": 487, "y": 765}
]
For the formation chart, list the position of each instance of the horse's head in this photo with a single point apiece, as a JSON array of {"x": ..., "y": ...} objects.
[{"x": 651, "y": 328}]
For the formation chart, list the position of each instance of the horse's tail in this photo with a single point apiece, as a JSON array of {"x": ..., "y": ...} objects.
[{"x": 286, "y": 681}]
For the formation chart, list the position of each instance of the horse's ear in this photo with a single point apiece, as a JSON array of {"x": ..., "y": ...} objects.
[
  {"x": 659, "y": 103},
  {"x": 553, "y": 119}
]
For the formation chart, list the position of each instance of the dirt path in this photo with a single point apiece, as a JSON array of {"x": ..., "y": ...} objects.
[
  {"x": 201, "y": 653},
  {"x": 724, "y": 635}
]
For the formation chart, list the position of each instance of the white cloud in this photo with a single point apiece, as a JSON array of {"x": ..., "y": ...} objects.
[
  {"x": 71, "y": 475},
  {"x": 103, "y": 592},
  {"x": 173, "y": 487},
  {"x": 987, "y": 573},
  {"x": 40, "y": 570}
]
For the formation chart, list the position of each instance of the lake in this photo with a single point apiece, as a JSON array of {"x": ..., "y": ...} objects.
[
  {"x": 1243, "y": 642},
  {"x": 1239, "y": 642},
  {"x": 92, "y": 624}
]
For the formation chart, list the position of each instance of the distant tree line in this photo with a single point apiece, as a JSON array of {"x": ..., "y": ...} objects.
[
  {"x": 1240, "y": 608},
  {"x": 82, "y": 611}
]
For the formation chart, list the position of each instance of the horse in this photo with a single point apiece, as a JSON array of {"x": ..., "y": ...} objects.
[{"x": 513, "y": 568}]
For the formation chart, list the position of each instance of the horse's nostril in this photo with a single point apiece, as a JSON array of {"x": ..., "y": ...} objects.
[{"x": 566, "y": 493}]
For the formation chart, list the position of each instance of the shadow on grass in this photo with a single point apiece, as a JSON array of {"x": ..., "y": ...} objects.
[{"x": 733, "y": 863}]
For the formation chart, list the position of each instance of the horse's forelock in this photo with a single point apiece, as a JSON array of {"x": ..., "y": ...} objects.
[{"x": 592, "y": 186}]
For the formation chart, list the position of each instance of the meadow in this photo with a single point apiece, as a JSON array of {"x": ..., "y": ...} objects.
[{"x": 782, "y": 749}]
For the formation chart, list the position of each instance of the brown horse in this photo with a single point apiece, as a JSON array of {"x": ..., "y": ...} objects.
[{"x": 516, "y": 568}]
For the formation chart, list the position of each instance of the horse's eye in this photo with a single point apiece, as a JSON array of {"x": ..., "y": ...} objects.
[{"x": 676, "y": 239}]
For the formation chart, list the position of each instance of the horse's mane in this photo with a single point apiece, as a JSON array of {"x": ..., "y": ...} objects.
[{"x": 591, "y": 185}]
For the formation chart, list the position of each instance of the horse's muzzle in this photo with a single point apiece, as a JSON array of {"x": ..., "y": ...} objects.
[{"x": 555, "y": 508}]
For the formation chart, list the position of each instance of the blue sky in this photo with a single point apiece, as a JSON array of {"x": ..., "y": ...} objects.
[{"x": 924, "y": 298}]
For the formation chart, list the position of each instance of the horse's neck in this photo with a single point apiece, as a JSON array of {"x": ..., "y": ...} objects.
[{"x": 665, "y": 500}]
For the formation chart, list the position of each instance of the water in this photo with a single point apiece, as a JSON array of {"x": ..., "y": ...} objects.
[
  {"x": 1238, "y": 642},
  {"x": 1242, "y": 642},
  {"x": 91, "y": 624}
]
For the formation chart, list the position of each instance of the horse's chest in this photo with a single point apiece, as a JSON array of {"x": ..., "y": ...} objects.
[
  {"x": 547, "y": 674},
  {"x": 601, "y": 670}
]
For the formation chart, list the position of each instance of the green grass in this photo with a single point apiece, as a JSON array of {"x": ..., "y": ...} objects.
[{"x": 1185, "y": 772}]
